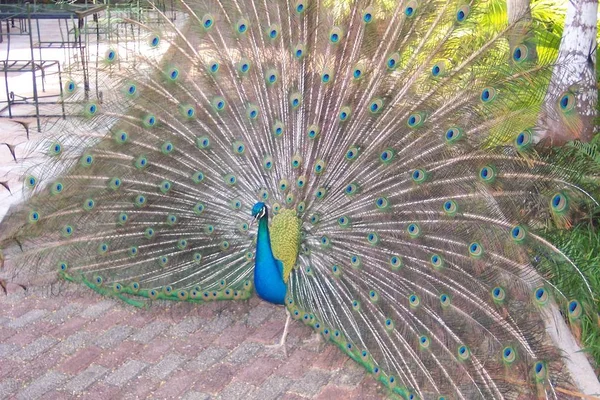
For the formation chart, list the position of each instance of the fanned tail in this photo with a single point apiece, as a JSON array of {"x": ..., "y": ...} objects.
[{"x": 402, "y": 136}]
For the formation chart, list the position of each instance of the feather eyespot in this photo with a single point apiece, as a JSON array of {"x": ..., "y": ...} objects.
[
  {"x": 273, "y": 31},
  {"x": 208, "y": 21},
  {"x": 213, "y": 67},
  {"x": 575, "y": 309},
  {"x": 392, "y": 61},
  {"x": 411, "y": 9},
  {"x": 488, "y": 94},
  {"x": 375, "y": 106},
  {"x": 520, "y": 53},
  {"x": 252, "y": 112},
  {"x": 559, "y": 203},
  {"x": 149, "y": 233},
  {"x": 299, "y": 51},
  {"x": 567, "y": 102},
  {"x": 335, "y": 34},
  {"x": 462, "y": 13},
  {"x": 498, "y": 294},
  {"x": 509, "y": 355},
  {"x": 300, "y": 7},
  {"x": 313, "y": 131}
]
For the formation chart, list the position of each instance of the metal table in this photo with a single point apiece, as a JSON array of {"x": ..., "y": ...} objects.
[{"x": 29, "y": 12}]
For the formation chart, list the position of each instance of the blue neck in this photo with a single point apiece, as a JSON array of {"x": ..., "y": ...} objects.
[
  {"x": 267, "y": 275},
  {"x": 263, "y": 242}
]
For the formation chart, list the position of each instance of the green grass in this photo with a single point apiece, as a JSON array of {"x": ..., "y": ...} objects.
[{"x": 581, "y": 244}]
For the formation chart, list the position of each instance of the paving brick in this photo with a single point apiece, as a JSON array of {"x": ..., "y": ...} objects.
[
  {"x": 350, "y": 375},
  {"x": 155, "y": 350},
  {"x": 101, "y": 391},
  {"x": 178, "y": 384},
  {"x": 141, "y": 318},
  {"x": 85, "y": 379},
  {"x": 298, "y": 332},
  {"x": 114, "y": 336},
  {"x": 234, "y": 335},
  {"x": 278, "y": 314},
  {"x": 36, "y": 348},
  {"x": 20, "y": 305},
  {"x": 186, "y": 327},
  {"x": 207, "y": 358},
  {"x": 236, "y": 390},
  {"x": 124, "y": 351},
  {"x": 291, "y": 396},
  {"x": 80, "y": 360},
  {"x": 40, "y": 365},
  {"x": 74, "y": 342},
  {"x": 259, "y": 370},
  {"x": 7, "y": 349},
  {"x": 46, "y": 383},
  {"x": 196, "y": 396},
  {"x": 150, "y": 331},
  {"x": 333, "y": 392},
  {"x": 22, "y": 338},
  {"x": 97, "y": 309},
  {"x": 259, "y": 314},
  {"x": 69, "y": 326},
  {"x": 268, "y": 333},
  {"x": 8, "y": 387},
  {"x": 217, "y": 324},
  {"x": 165, "y": 367},
  {"x": 297, "y": 364},
  {"x": 369, "y": 389},
  {"x": 331, "y": 358},
  {"x": 9, "y": 369},
  {"x": 127, "y": 371},
  {"x": 273, "y": 388},
  {"x": 311, "y": 383},
  {"x": 41, "y": 325},
  {"x": 44, "y": 299},
  {"x": 177, "y": 312},
  {"x": 194, "y": 345},
  {"x": 244, "y": 352},
  {"x": 27, "y": 319},
  {"x": 62, "y": 314},
  {"x": 113, "y": 317},
  {"x": 6, "y": 332},
  {"x": 215, "y": 379},
  {"x": 139, "y": 388},
  {"x": 57, "y": 395}
]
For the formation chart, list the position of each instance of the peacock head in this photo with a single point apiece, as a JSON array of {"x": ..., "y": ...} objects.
[{"x": 259, "y": 210}]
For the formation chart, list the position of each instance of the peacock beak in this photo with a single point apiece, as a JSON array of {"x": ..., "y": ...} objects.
[{"x": 254, "y": 220}]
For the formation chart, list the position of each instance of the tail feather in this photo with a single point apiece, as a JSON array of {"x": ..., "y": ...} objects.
[{"x": 385, "y": 126}]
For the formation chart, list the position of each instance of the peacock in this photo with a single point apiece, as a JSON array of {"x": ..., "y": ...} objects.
[{"x": 375, "y": 167}]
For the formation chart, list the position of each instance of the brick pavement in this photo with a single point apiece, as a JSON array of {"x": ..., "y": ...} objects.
[{"x": 77, "y": 344}]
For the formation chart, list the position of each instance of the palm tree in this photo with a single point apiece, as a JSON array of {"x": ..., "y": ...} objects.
[{"x": 571, "y": 99}]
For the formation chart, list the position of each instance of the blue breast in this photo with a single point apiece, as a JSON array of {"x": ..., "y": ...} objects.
[{"x": 268, "y": 280}]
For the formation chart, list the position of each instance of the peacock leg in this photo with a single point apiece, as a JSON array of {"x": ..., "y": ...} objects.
[{"x": 281, "y": 343}]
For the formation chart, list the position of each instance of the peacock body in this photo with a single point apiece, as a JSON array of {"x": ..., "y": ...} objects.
[
  {"x": 393, "y": 143},
  {"x": 275, "y": 257}
]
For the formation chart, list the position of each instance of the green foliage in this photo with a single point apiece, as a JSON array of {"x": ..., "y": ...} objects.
[{"x": 582, "y": 245}]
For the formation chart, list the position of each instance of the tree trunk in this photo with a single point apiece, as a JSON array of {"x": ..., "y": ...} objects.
[
  {"x": 573, "y": 80},
  {"x": 517, "y": 9},
  {"x": 519, "y": 15}
]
